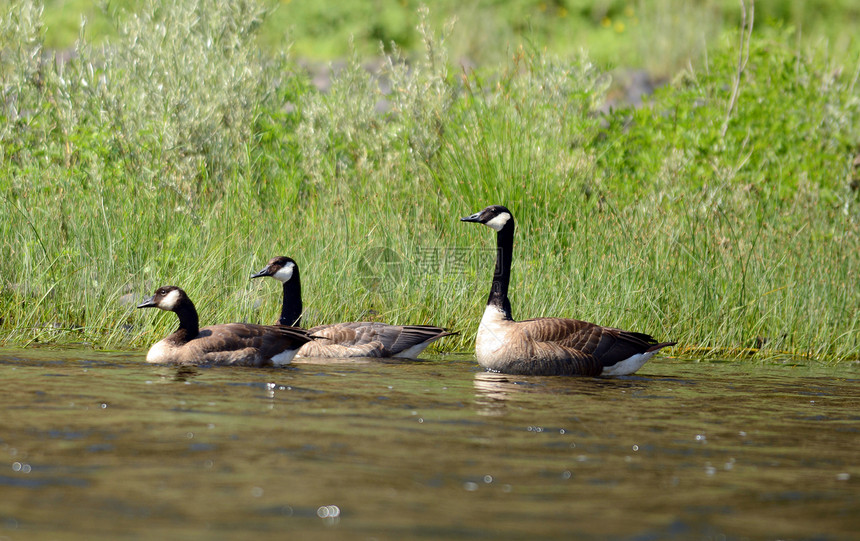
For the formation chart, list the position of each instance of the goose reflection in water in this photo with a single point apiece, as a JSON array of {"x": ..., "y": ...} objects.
[
  {"x": 175, "y": 373},
  {"x": 493, "y": 390}
]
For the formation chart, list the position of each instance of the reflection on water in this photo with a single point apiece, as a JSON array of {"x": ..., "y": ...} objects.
[
  {"x": 106, "y": 445},
  {"x": 492, "y": 390},
  {"x": 177, "y": 373}
]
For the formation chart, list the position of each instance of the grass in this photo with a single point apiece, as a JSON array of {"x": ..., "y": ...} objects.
[
  {"x": 184, "y": 154},
  {"x": 659, "y": 35}
]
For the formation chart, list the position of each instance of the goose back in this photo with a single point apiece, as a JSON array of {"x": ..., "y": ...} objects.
[
  {"x": 371, "y": 339},
  {"x": 240, "y": 344}
]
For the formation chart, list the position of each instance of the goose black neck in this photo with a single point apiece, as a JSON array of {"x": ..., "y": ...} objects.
[
  {"x": 188, "y": 320},
  {"x": 291, "y": 309},
  {"x": 502, "y": 274}
]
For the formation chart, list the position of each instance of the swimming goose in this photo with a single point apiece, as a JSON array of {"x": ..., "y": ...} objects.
[
  {"x": 238, "y": 344},
  {"x": 342, "y": 340},
  {"x": 547, "y": 346}
]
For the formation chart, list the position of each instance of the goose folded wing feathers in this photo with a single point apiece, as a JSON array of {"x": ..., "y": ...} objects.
[
  {"x": 393, "y": 338},
  {"x": 268, "y": 340},
  {"x": 609, "y": 344},
  {"x": 338, "y": 333},
  {"x": 565, "y": 332},
  {"x": 409, "y": 336}
]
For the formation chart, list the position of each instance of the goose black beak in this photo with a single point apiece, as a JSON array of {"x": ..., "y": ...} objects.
[
  {"x": 473, "y": 218},
  {"x": 267, "y": 271},
  {"x": 148, "y": 303}
]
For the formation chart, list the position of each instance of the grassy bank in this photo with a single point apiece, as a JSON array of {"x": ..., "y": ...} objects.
[{"x": 720, "y": 215}]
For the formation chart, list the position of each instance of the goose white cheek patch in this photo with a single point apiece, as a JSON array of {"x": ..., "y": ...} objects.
[
  {"x": 499, "y": 221},
  {"x": 169, "y": 302},
  {"x": 284, "y": 273}
]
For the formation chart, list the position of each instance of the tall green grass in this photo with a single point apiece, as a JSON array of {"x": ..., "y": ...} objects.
[{"x": 179, "y": 153}]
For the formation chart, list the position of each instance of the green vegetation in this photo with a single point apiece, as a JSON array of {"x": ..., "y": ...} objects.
[
  {"x": 661, "y": 36},
  {"x": 179, "y": 152}
]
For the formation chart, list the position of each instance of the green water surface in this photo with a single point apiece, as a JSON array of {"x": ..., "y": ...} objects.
[{"x": 98, "y": 445}]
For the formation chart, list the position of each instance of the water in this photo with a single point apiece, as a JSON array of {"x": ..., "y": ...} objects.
[{"x": 103, "y": 445}]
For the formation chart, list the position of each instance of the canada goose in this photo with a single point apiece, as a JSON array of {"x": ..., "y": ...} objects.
[
  {"x": 239, "y": 344},
  {"x": 547, "y": 346},
  {"x": 354, "y": 339}
]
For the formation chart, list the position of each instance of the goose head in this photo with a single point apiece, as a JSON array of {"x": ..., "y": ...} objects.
[
  {"x": 166, "y": 298},
  {"x": 280, "y": 268},
  {"x": 495, "y": 217}
]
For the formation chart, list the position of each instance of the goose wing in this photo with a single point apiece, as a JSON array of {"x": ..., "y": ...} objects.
[
  {"x": 256, "y": 335},
  {"x": 245, "y": 344},
  {"x": 399, "y": 339},
  {"x": 371, "y": 338},
  {"x": 343, "y": 340},
  {"x": 591, "y": 345}
]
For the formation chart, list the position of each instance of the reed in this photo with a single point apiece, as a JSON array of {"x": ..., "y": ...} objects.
[{"x": 181, "y": 154}]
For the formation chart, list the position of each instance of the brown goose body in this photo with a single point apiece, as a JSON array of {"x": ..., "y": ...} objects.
[
  {"x": 238, "y": 344},
  {"x": 351, "y": 339},
  {"x": 370, "y": 339},
  {"x": 548, "y": 346},
  {"x": 560, "y": 347}
]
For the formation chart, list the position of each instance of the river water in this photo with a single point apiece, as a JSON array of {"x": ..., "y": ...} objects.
[{"x": 102, "y": 445}]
